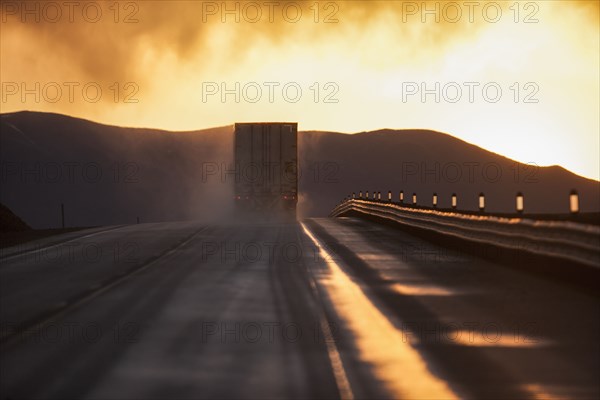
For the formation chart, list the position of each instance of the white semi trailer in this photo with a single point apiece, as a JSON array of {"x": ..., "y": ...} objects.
[{"x": 266, "y": 163}]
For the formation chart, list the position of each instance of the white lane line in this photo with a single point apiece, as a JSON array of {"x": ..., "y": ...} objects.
[
  {"x": 51, "y": 246},
  {"x": 65, "y": 307},
  {"x": 399, "y": 367},
  {"x": 337, "y": 366}
]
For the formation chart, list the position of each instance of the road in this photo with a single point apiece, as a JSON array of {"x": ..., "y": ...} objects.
[{"x": 325, "y": 308}]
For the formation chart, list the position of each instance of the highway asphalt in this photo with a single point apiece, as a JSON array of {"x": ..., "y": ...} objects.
[{"x": 323, "y": 308}]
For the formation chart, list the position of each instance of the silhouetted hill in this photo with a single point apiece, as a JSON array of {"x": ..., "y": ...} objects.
[
  {"x": 110, "y": 175},
  {"x": 106, "y": 174},
  {"x": 424, "y": 162},
  {"x": 9, "y": 222}
]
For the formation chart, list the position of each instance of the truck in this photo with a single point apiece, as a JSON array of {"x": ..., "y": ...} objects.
[{"x": 266, "y": 169}]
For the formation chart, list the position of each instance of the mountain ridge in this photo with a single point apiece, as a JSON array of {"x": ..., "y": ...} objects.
[
  {"x": 156, "y": 175},
  {"x": 230, "y": 126}
]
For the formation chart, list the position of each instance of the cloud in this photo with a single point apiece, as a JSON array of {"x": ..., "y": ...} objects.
[
  {"x": 106, "y": 50},
  {"x": 368, "y": 47}
]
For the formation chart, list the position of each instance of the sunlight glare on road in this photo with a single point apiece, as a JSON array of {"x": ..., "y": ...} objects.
[{"x": 395, "y": 362}]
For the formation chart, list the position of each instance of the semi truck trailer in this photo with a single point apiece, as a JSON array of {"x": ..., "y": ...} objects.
[{"x": 266, "y": 165}]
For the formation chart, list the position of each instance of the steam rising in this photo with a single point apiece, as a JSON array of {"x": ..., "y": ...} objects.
[{"x": 374, "y": 46}]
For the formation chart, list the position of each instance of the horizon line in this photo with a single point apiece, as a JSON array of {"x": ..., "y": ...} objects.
[{"x": 309, "y": 130}]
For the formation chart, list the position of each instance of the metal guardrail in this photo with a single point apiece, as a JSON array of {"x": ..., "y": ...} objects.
[
  {"x": 574, "y": 241},
  {"x": 519, "y": 200}
]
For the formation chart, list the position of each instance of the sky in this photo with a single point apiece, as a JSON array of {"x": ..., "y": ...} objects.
[{"x": 519, "y": 78}]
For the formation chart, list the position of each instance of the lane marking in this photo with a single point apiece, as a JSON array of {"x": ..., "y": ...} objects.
[
  {"x": 421, "y": 290},
  {"x": 337, "y": 366},
  {"x": 400, "y": 367},
  {"x": 41, "y": 320},
  {"x": 541, "y": 392},
  {"x": 494, "y": 338},
  {"x": 53, "y": 245}
]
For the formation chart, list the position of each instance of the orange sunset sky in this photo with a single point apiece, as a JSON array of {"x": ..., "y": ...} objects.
[{"x": 519, "y": 78}]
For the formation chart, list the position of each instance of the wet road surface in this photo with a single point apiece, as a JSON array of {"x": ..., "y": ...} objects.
[{"x": 325, "y": 308}]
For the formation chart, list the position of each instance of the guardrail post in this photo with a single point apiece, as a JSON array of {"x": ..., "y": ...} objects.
[
  {"x": 360, "y": 194},
  {"x": 481, "y": 202},
  {"x": 389, "y": 196},
  {"x": 520, "y": 203},
  {"x": 435, "y": 200},
  {"x": 414, "y": 199},
  {"x": 574, "y": 202},
  {"x": 401, "y": 197},
  {"x": 367, "y": 195},
  {"x": 353, "y": 196},
  {"x": 378, "y": 196},
  {"x": 454, "y": 201}
]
